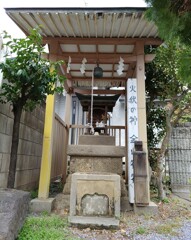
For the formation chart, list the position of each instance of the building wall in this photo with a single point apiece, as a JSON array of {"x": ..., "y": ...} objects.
[
  {"x": 29, "y": 150},
  {"x": 60, "y": 100},
  {"x": 179, "y": 158}
]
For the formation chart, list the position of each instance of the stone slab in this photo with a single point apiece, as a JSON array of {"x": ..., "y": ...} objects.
[
  {"x": 151, "y": 209},
  {"x": 96, "y": 140},
  {"x": 14, "y": 207},
  {"x": 41, "y": 205},
  {"x": 97, "y": 221},
  {"x": 95, "y": 150}
]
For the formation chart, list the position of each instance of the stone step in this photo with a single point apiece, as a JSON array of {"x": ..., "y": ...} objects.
[
  {"x": 96, "y": 140},
  {"x": 96, "y": 150},
  {"x": 89, "y": 164}
]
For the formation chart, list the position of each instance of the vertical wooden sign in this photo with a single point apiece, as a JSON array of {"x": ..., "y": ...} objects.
[{"x": 132, "y": 131}]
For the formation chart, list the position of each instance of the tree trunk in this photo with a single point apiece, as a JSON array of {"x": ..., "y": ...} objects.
[
  {"x": 17, "y": 110},
  {"x": 160, "y": 168},
  {"x": 161, "y": 156}
]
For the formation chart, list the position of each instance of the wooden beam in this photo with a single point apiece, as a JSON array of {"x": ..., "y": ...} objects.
[
  {"x": 113, "y": 64},
  {"x": 53, "y": 48},
  {"x": 98, "y": 91},
  {"x": 103, "y": 58},
  {"x": 95, "y": 55},
  {"x": 149, "y": 57},
  {"x": 103, "y": 41},
  {"x": 98, "y": 79}
]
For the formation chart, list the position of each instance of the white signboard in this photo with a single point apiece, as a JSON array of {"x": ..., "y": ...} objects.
[{"x": 132, "y": 131}]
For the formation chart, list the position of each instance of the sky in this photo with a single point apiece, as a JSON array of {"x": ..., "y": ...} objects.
[{"x": 7, "y": 24}]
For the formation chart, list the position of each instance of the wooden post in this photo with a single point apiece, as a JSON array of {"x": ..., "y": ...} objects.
[
  {"x": 45, "y": 171},
  {"x": 67, "y": 117},
  {"x": 140, "y": 175},
  {"x": 140, "y": 74},
  {"x": 142, "y": 126},
  {"x": 68, "y": 105}
]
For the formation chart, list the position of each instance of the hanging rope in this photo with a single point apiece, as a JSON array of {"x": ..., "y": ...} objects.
[{"x": 92, "y": 99}]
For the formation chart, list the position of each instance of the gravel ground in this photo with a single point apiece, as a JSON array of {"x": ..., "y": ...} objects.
[
  {"x": 183, "y": 233},
  {"x": 173, "y": 222}
]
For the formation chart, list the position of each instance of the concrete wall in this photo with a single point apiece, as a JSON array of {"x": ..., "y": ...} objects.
[
  {"x": 179, "y": 158},
  {"x": 30, "y": 146}
]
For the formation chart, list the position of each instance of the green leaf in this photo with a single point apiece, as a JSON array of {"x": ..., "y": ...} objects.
[{"x": 29, "y": 77}]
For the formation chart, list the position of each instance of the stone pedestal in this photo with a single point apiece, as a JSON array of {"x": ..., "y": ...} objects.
[
  {"x": 106, "y": 189},
  {"x": 97, "y": 155},
  {"x": 150, "y": 209},
  {"x": 96, "y": 158},
  {"x": 41, "y": 205}
]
